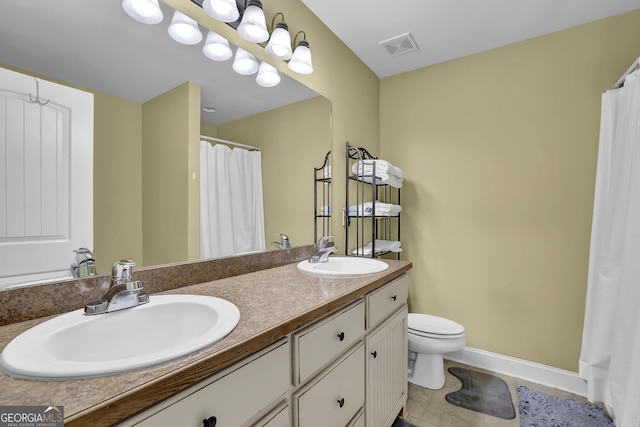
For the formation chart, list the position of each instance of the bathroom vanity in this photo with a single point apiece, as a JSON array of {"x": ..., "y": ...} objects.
[{"x": 308, "y": 350}]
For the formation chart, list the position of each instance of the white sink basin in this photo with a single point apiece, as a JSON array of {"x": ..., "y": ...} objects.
[
  {"x": 343, "y": 266},
  {"x": 74, "y": 345}
]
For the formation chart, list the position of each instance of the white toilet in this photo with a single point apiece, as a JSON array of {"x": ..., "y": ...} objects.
[{"x": 430, "y": 337}]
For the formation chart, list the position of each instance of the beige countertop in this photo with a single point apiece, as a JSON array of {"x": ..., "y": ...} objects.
[{"x": 272, "y": 302}]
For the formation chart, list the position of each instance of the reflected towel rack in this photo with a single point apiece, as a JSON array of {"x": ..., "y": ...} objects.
[
  {"x": 224, "y": 141},
  {"x": 631, "y": 69}
]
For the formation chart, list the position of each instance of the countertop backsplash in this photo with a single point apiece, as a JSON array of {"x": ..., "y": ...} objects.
[{"x": 31, "y": 302}]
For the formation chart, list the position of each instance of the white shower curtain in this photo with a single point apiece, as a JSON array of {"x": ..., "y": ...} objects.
[
  {"x": 231, "y": 205},
  {"x": 610, "y": 356}
]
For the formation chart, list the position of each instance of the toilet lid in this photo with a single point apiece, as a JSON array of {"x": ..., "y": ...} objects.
[{"x": 426, "y": 323}]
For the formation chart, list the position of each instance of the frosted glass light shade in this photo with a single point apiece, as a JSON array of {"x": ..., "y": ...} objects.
[
  {"x": 216, "y": 47},
  {"x": 145, "y": 11},
  {"x": 279, "y": 45},
  {"x": 245, "y": 63},
  {"x": 267, "y": 76},
  {"x": 184, "y": 29},
  {"x": 222, "y": 10},
  {"x": 301, "y": 59},
  {"x": 253, "y": 26}
]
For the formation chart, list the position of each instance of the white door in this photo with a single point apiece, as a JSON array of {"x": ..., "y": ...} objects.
[{"x": 46, "y": 179}]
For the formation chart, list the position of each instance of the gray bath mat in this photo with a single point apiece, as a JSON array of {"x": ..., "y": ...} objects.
[
  {"x": 482, "y": 393},
  {"x": 399, "y": 422},
  {"x": 538, "y": 409}
]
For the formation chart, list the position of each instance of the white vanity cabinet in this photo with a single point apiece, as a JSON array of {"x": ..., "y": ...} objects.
[
  {"x": 386, "y": 353},
  {"x": 347, "y": 369},
  {"x": 233, "y": 397}
]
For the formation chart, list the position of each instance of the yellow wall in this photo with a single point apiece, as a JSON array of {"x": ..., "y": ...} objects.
[
  {"x": 170, "y": 130},
  {"x": 351, "y": 87},
  {"x": 290, "y": 150},
  {"x": 499, "y": 151},
  {"x": 117, "y": 181}
]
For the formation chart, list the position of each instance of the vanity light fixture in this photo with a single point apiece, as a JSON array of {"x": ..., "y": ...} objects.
[
  {"x": 301, "y": 60},
  {"x": 222, "y": 10},
  {"x": 279, "y": 45},
  {"x": 216, "y": 47},
  {"x": 253, "y": 26},
  {"x": 184, "y": 29},
  {"x": 267, "y": 76},
  {"x": 245, "y": 63},
  {"x": 145, "y": 11}
]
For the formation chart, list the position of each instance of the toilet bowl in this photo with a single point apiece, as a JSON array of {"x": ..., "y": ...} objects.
[{"x": 430, "y": 337}]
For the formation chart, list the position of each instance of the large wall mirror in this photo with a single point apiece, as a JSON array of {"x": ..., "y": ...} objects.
[{"x": 95, "y": 46}]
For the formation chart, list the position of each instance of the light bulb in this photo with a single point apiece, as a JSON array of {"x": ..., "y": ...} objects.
[
  {"x": 253, "y": 27},
  {"x": 279, "y": 45},
  {"x": 184, "y": 29},
  {"x": 145, "y": 11},
  {"x": 222, "y": 10},
  {"x": 267, "y": 76},
  {"x": 245, "y": 63},
  {"x": 301, "y": 60},
  {"x": 216, "y": 47}
]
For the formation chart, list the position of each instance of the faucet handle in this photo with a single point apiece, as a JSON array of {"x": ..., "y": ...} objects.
[
  {"x": 122, "y": 271},
  {"x": 322, "y": 243}
]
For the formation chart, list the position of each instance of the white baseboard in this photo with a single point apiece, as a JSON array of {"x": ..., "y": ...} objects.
[{"x": 523, "y": 369}]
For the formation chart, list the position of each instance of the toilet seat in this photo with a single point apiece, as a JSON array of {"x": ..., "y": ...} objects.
[{"x": 426, "y": 325}]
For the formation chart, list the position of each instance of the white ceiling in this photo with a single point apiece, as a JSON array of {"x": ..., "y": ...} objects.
[{"x": 449, "y": 29}]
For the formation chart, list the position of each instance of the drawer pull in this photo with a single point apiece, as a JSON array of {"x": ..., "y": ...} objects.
[
  {"x": 209, "y": 422},
  {"x": 374, "y": 354},
  {"x": 394, "y": 297},
  {"x": 341, "y": 402},
  {"x": 341, "y": 336}
]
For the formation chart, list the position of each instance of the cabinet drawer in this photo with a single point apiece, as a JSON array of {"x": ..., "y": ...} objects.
[
  {"x": 384, "y": 301},
  {"x": 317, "y": 345},
  {"x": 235, "y": 397},
  {"x": 336, "y": 397},
  {"x": 279, "y": 417}
]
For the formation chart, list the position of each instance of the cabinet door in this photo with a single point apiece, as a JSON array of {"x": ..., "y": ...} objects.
[
  {"x": 234, "y": 398},
  {"x": 386, "y": 365},
  {"x": 336, "y": 397}
]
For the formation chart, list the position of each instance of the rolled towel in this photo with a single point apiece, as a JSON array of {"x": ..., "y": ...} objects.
[
  {"x": 381, "y": 246},
  {"x": 365, "y": 167},
  {"x": 382, "y": 178},
  {"x": 381, "y": 209}
]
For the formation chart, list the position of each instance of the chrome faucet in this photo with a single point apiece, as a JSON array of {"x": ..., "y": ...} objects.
[
  {"x": 124, "y": 292},
  {"x": 85, "y": 264},
  {"x": 323, "y": 250},
  {"x": 284, "y": 242}
]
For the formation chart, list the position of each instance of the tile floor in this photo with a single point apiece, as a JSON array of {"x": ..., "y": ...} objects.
[{"x": 428, "y": 408}]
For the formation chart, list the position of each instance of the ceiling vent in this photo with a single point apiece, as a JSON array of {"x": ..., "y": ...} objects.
[{"x": 400, "y": 45}]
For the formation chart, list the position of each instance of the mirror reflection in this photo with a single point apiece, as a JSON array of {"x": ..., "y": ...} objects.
[{"x": 148, "y": 97}]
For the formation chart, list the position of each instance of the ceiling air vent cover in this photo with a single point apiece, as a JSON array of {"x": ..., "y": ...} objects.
[{"x": 400, "y": 45}]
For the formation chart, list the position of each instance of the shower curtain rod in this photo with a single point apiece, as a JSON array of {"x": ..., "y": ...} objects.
[
  {"x": 630, "y": 70},
  {"x": 224, "y": 141}
]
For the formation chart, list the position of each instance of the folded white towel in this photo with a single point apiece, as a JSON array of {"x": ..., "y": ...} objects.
[
  {"x": 365, "y": 167},
  {"x": 381, "y": 209},
  {"x": 381, "y": 246},
  {"x": 383, "y": 178}
]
